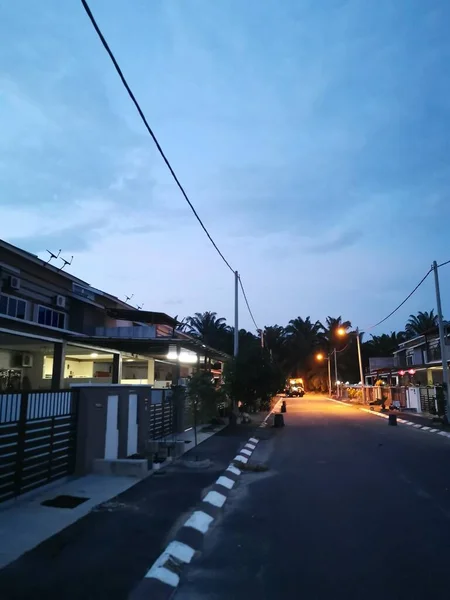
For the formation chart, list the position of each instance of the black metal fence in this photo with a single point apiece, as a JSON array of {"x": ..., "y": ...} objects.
[
  {"x": 37, "y": 439},
  {"x": 161, "y": 415}
]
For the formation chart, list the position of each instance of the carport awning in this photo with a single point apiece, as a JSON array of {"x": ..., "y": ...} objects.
[{"x": 158, "y": 347}]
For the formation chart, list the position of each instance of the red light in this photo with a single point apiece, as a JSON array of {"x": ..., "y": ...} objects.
[
  {"x": 411, "y": 371},
  {"x": 401, "y": 373}
]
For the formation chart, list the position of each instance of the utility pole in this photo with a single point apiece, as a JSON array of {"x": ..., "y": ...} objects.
[
  {"x": 262, "y": 337},
  {"x": 361, "y": 372},
  {"x": 442, "y": 339},
  {"x": 329, "y": 375},
  {"x": 236, "y": 314},
  {"x": 335, "y": 371}
]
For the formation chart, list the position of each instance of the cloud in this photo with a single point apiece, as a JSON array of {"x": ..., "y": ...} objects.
[
  {"x": 342, "y": 240},
  {"x": 311, "y": 138}
]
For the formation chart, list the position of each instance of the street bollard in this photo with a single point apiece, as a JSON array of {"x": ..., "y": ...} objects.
[
  {"x": 283, "y": 406},
  {"x": 278, "y": 420},
  {"x": 392, "y": 420}
]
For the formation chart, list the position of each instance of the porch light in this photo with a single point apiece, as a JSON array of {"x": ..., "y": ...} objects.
[
  {"x": 411, "y": 371},
  {"x": 94, "y": 354},
  {"x": 401, "y": 373},
  {"x": 183, "y": 357},
  {"x": 187, "y": 357}
]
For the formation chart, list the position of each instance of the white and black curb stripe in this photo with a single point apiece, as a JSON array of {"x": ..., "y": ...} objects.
[
  {"x": 163, "y": 578},
  {"x": 403, "y": 421}
]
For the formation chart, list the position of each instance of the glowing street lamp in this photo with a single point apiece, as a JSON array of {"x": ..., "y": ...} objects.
[{"x": 320, "y": 356}]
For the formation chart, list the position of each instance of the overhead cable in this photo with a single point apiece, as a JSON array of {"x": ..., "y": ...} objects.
[
  {"x": 247, "y": 303},
  {"x": 149, "y": 129},
  {"x": 402, "y": 303}
]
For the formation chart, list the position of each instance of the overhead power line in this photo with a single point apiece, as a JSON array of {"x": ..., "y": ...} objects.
[
  {"x": 247, "y": 303},
  {"x": 444, "y": 263},
  {"x": 402, "y": 303},
  {"x": 149, "y": 129}
]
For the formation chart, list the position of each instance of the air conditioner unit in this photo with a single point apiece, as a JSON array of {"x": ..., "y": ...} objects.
[
  {"x": 14, "y": 282},
  {"x": 60, "y": 301},
  {"x": 27, "y": 360}
]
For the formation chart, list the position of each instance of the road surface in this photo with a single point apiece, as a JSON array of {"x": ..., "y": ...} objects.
[{"x": 350, "y": 507}]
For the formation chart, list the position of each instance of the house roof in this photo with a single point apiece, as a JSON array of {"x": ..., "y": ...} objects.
[
  {"x": 421, "y": 339},
  {"x": 38, "y": 261},
  {"x": 42, "y": 263}
]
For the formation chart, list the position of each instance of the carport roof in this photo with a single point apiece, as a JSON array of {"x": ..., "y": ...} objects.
[
  {"x": 156, "y": 346},
  {"x": 142, "y": 316}
]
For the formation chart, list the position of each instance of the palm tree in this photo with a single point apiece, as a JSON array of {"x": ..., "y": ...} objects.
[
  {"x": 420, "y": 323},
  {"x": 274, "y": 338},
  {"x": 331, "y": 336},
  {"x": 208, "y": 327},
  {"x": 385, "y": 344},
  {"x": 332, "y": 325},
  {"x": 303, "y": 337}
]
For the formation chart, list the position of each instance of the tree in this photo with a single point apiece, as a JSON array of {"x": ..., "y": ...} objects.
[
  {"x": 384, "y": 344},
  {"x": 302, "y": 338},
  {"x": 203, "y": 396},
  {"x": 253, "y": 378},
  {"x": 208, "y": 327},
  {"x": 330, "y": 331},
  {"x": 420, "y": 323},
  {"x": 275, "y": 342}
]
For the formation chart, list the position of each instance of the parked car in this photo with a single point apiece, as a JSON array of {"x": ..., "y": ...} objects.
[{"x": 295, "y": 391}]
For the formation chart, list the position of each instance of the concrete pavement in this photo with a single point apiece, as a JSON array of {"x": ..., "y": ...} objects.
[{"x": 349, "y": 507}]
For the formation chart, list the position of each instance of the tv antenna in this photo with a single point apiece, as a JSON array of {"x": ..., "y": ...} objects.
[
  {"x": 52, "y": 256},
  {"x": 128, "y": 297},
  {"x": 66, "y": 262},
  {"x": 139, "y": 307}
]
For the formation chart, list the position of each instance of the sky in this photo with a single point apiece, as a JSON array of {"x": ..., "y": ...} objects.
[{"x": 312, "y": 138}]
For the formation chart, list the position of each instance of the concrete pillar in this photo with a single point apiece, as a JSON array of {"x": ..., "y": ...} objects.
[
  {"x": 176, "y": 369},
  {"x": 59, "y": 355},
  {"x": 151, "y": 371},
  {"x": 430, "y": 377},
  {"x": 116, "y": 373}
]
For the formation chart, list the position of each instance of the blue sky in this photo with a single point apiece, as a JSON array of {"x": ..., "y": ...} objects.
[{"x": 311, "y": 136}]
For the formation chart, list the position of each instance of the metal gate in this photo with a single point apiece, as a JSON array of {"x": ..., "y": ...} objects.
[
  {"x": 161, "y": 421},
  {"x": 37, "y": 439},
  {"x": 428, "y": 400}
]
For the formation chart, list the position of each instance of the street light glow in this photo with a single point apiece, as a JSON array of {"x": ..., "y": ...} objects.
[
  {"x": 319, "y": 356},
  {"x": 341, "y": 331}
]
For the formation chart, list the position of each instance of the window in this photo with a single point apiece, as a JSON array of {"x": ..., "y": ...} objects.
[
  {"x": 409, "y": 360},
  {"x": 12, "y": 306},
  {"x": 50, "y": 317}
]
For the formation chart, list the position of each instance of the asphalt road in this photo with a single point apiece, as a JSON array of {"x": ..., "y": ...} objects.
[
  {"x": 350, "y": 508},
  {"x": 105, "y": 554}
]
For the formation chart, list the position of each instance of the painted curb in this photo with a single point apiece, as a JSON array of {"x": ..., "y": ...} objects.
[
  {"x": 412, "y": 424},
  {"x": 163, "y": 578}
]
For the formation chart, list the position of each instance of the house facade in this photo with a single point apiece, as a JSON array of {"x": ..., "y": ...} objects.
[
  {"x": 419, "y": 359},
  {"x": 56, "y": 330}
]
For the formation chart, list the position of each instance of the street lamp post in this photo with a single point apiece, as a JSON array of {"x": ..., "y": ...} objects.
[
  {"x": 361, "y": 371},
  {"x": 320, "y": 356},
  {"x": 341, "y": 332}
]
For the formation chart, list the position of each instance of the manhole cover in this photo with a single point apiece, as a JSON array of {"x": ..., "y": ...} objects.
[{"x": 64, "y": 501}]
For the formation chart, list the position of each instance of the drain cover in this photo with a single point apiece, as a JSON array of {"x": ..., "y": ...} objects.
[{"x": 65, "y": 501}]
